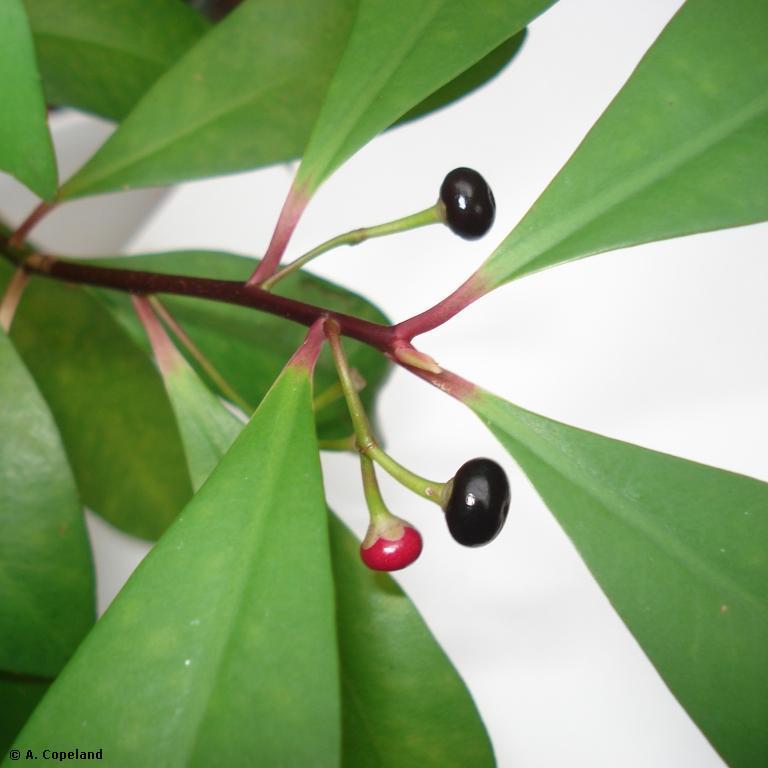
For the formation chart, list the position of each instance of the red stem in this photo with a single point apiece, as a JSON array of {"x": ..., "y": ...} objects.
[
  {"x": 448, "y": 382},
  {"x": 165, "y": 353},
  {"x": 289, "y": 217},
  {"x": 306, "y": 355},
  {"x": 16, "y": 240},
  {"x": 469, "y": 291},
  {"x": 381, "y": 337}
]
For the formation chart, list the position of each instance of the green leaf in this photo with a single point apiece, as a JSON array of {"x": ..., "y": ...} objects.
[
  {"x": 683, "y": 148},
  {"x": 19, "y": 695},
  {"x": 474, "y": 77},
  {"x": 26, "y": 150},
  {"x": 222, "y": 644},
  {"x": 46, "y": 575},
  {"x": 679, "y": 549},
  {"x": 386, "y": 650},
  {"x": 244, "y": 96},
  {"x": 102, "y": 56},
  {"x": 249, "y": 93},
  {"x": 250, "y": 348},
  {"x": 109, "y": 405},
  {"x": 397, "y": 55},
  {"x": 403, "y": 702}
]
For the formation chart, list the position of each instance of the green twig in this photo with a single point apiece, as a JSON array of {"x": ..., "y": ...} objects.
[
  {"x": 431, "y": 215},
  {"x": 366, "y": 442}
]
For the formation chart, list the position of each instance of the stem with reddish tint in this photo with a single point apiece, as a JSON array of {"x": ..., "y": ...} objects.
[
  {"x": 306, "y": 355},
  {"x": 12, "y": 297},
  {"x": 290, "y": 214},
  {"x": 468, "y": 292},
  {"x": 26, "y": 226},
  {"x": 227, "y": 291},
  {"x": 448, "y": 382},
  {"x": 392, "y": 341},
  {"x": 166, "y": 354}
]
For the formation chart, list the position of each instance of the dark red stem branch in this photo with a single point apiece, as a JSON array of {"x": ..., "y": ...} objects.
[{"x": 381, "y": 337}]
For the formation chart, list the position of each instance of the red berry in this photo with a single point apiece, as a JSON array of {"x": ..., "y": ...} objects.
[{"x": 391, "y": 545}]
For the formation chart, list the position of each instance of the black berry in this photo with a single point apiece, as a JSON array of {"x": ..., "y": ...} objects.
[
  {"x": 469, "y": 205},
  {"x": 478, "y": 504}
]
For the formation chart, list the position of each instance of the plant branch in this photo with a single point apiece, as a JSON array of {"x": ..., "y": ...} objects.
[
  {"x": 289, "y": 217},
  {"x": 431, "y": 215},
  {"x": 452, "y": 384},
  {"x": 469, "y": 291},
  {"x": 376, "y": 335},
  {"x": 393, "y": 341},
  {"x": 26, "y": 226},
  {"x": 366, "y": 441}
]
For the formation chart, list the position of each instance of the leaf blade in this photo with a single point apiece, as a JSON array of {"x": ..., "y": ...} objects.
[
  {"x": 244, "y": 96},
  {"x": 101, "y": 57},
  {"x": 678, "y": 549},
  {"x": 233, "y": 617},
  {"x": 109, "y": 405},
  {"x": 26, "y": 150},
  {"x": 200, "y": 120},
  {"x": 19, "y": 696},
  {"x": 45, "y": 559},
  {"x": 477, "y": 75},
  {"x": 681, "y": 149},
  {"x": 397, "y": 55},
  {"x": 387, "y": 653}
]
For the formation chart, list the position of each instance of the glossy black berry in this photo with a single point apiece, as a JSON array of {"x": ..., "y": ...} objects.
[
  {"x": 478, "y": 504},
  {"x": 469, "y": 205}
]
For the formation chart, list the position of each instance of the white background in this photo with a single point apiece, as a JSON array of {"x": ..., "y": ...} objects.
[{"x": 662, "y": 345}]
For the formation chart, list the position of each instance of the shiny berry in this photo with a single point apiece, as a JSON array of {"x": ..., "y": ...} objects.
[
  {"x": 469, "y": 205},
  {"x": 478, "y": 503},
  {"x": 390, "y": 545}
]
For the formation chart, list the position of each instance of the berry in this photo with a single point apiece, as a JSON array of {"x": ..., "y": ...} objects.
[
  {"x": 390, "y": 545},
  {"x": 469, "y": 205},
  {"x": 478, "y": 503}
]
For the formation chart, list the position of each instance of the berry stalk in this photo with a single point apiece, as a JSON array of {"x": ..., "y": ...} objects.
[
  {"x": 390, "y": 543},
  {"x": 366, "y": 442},
  {"x": 376, "y": 506},
  {"x": 432, "y": 215}
]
